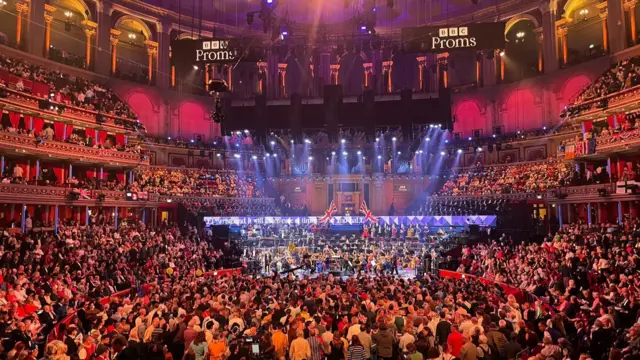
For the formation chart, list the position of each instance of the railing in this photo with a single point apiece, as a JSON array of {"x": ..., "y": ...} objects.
[
  {"x": 55, "y": 332},
  {"x": 580, "y": 190},
  {"x": 615, "y": 97},
  {"x": 513, "y": 196},
  {"x": 519, "y": 294},
  {"x": 28, "y": 144}
]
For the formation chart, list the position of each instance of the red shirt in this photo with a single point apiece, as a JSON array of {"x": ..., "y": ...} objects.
[{"x": 455, "y": 343}]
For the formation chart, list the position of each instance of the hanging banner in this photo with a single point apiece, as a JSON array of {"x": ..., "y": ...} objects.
[{"x": 481, "y": 36}]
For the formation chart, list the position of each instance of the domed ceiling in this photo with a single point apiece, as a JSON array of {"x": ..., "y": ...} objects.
[{"x": 330, "y": 15}]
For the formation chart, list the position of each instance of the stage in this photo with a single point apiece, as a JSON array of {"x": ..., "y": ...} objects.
[{"x": 346, "y": 221}]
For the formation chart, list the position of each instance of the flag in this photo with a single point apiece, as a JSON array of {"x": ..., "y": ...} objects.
[
  {"x": 84, "y": 194},
  {"x": 328, "y": 213},
  {"x": 368, "y": 216}
]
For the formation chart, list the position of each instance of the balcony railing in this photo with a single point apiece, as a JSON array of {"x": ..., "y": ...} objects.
[{"x": 23, "y": 144}]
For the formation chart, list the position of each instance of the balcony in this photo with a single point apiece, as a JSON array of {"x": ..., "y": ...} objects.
[{"x": 12, "y": 143}]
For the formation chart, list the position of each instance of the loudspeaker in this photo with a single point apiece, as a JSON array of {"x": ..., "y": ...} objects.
[
  {"x": 368, "y": 101},
  {"x": 332, "y": 96},
  {"x": 444, "y": 107},
  {"x": 296, "y": 115}
]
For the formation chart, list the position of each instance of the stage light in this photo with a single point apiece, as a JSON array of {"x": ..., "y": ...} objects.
[
  {"x": 70, "y": 14},
  {"x": 459, "y": 151},
  {"x": 364, "y": 158},
  {"x": 479, "y": 149},
  {"x": 520, "y": 34},
  {"x": 377, "y": 139},
  {"x": 333, "y": 153},
  {"x": 379, "y": 157},
  {"x": 446, "y": 141},
  {"x": 292, "y": 141},
  {"x": 427, "y": 139},
  {"x": 421, "y": 151},
  {"x": 307, "y": 141},
  {"x": 168, "y": 137},
  {"x": 310, "y": 158},
  {"x": 470, "y": 138},
  {"x": 275, "y": 155},
  {"x": 591, "y": 46},
  {"x": 267, "y": 155},
  {"x": 494, "y": 135},
  {"x": 237, "y": 156},
  {"x": 363, "y": 27},
  {"x": 269, "y": 1},
  {"x": 583, "y": 12},
  {"x": 518, "y": 132},
  {"x": 394, "y": 138},
  {"x": 374, "y": 10},
  {"x": 344, "y": 153},
  {"x": 246, "y": 131},
  {"x": 254, "y": 157},
  {"x": 195, "y": 67},
  {"x": 544, "y": 128},
  {"x": 284, "y": 33},
  {"x": 192, "y": 140},
  {"x": 399, "y": 152},
  {"x": 343, "y": 141},
  {"x": 272, "y": 143},
  {"x": 359, "y": 152},
  {"x": 442, "y": 153},
  {"x": 502, "y": 53}
]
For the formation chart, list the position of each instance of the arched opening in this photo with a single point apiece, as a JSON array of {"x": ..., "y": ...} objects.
[
  {"x": 8, "y": 21},
  {"x": 68, "y": 40},
  {"x": 468, "y": 118},
  {"x": 522, "y": 112},
  {"x": 521, "y": 52},
  {"x": 584, "y": 31},
  {"x": 133, "y": 59}
]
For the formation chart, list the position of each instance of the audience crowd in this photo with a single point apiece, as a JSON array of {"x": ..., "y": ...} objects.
[
  {"x": 507, "y": 179},
  {"x": 67, "y": 89}
]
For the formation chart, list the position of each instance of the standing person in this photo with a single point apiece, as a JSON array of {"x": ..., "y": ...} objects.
[
  {"x": 217, "y": 347},
  {"x": 356, "y": 350},
  {"x": 384, "y": 340},
  {"x": 338, "y": 348},
  {"x": 443, "y": 329},
  {"x": 199, "y": 346},
  {"x": 315, "y": 343},
  {"x": 280, "y": 342},
  {"x": 365, "y": 340},
  {"x": 468, "y": 351},
  {"x": 300, "y": 348}
]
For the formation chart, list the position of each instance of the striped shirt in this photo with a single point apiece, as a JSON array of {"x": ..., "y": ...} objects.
[
  {"x": 356, "y": 352},
  {"x": 317, "y": 352}
]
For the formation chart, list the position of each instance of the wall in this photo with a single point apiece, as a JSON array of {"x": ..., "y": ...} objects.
[
  {"x": 525, "y": 105},
  {"x": 168, "y": 113}
]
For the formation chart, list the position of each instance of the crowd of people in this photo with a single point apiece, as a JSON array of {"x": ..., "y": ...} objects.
[
  {"x": 623, "y": 75},
  {"x": 189, "y": 182},
  {"x": 68, "y": 89},
  {"x": 506, "y": 179}
]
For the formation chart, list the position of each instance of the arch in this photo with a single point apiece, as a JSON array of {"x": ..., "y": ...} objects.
[
  {"x": 77, "y": 6},
  {"x": 520, "y": 111},
  {"x": 131, "y": 22},
  {"x": 193, "y": 119},
  {"x": 572, "y": 5},
  {"x": 522, "y": 17},
  {"x": 142, "y": 105},
  {"x": 469, "y": 117},
  {"x": 573, "y": 86}
]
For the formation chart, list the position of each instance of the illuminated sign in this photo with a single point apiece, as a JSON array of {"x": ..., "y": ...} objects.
[
  {"x": 483, "y": 36},
  {"x": 401, "y": 188},
  {"x": 206, "y": 51}
]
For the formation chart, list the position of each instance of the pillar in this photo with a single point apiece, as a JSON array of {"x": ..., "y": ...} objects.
[
  {"x": 550, "y": 47},
  {"x": 115, "y": 220},
  {"x": 144, "y": 216},
  {"x": 113, "y": 40},
  {"x": 559, "y": 207},
  {"x": 605, "y": 29},
  {"x": 1, "y": 165},
  {"x": 103, "y": 57},
  {"x": 282, "y": 73},
  {"x": 443, "y": 71},
  {"x": 48, "y": 17},
  {"x": 562, "y": 35},
  {"x": 589, "y": 214},
  {"x": 479, "y": 69},
  {"x": 34, "y": 27},
  {"x": 422, "y": 65},
  {"x": 86, "y": 215},
  {"x": 368, "y": 70},
  {"x": 23, "y": 218},
  {"x": 21, "y": 8},
  {"x": 89, "y": 30},
  {"x": 540, "y": 40},
  {"x": 165, "y": 72},
  {"x": 70, "y": 171},
  {"x": 500, "y": 54},
  {"x": 262, "y": 77},
  {"x": 630, "y": 6},
  {"x": 489, "y": 68},
  {"x": 335, "y": 71},
  {"x": 152, "y": 51},
  {"x": 387, "y": 66},
  {"x": 228, "y": 72},
  {"x": 620, "y": 214},
  {"x": 37, "y": 170},
  {"x": 616, "y": 26},
  {"x": 56, "y": 216}
]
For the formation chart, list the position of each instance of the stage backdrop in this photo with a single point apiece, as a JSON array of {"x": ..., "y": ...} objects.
[{"x": 433, "y": 221}]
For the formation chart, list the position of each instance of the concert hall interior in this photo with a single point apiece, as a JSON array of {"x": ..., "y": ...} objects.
[{"x": 319, "y": 180}]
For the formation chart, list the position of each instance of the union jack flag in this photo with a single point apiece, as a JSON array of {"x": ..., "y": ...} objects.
[
  {"x": 368, "y": 216},
  {"x": 84, "y": 194},
  {"x": 328, "y": 213}
]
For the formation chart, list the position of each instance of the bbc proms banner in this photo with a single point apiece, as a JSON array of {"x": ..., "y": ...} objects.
[
  {"x": 435, "y": 221},
  {"x": 209, "y": 51},
  {"x": 482, "y": 36}
]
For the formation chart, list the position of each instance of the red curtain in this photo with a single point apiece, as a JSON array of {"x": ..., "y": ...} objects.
[
  {"x": 91, "y": 134},
  {"x": 120, "y": 139},
  {"x": 102, "y": 136},
  {"x": 38, "y": 124},
  {"x": 91, "y": 174},
  {"x": 58, "y": 127},
  {"x": 27, "y": 121},
  {"x": 120, "y": 177},
  {"x": 69, "y": 130},
  {"x": 587, "y": 126},
  {"x": 59, "y": 173},
  {"x": 14, "y": 118}
]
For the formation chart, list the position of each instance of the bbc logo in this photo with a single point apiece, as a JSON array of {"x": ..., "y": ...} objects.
[
  {"x": 454, "y": 31},
  {"x": 214, "y": 45}
]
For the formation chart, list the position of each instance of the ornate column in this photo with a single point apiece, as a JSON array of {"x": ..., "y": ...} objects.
[
  {"x": 616, "y": 26},
  {"x": 443, "y": 72},
  {"x": 228, "y": 69},
  {"x": 282, "y": 72},
  {"x": 422, "y": 65},
  {"x": 22, "y": 7},
  {"x": 164, "y": 69},
  {"x": 152, "y": 51},
  {"x": 335, "y": 70},
  {"x": 604, "y": 14},
  {"x": 102, "y": 63},
  {"x": 262, "y": 77},
  {"x": 113, "y": 38},
  {"x": 89, "y": 30},
  {"x": 549, "y": 41},
  {"x": 540, "y": 39},
  {"x": 630, "y": 6},
  {"x": 368, "y": 72},
  {"x": 207, "y": 69},
  {"x": 387, "y": 67},
  {"x": 562, "y": 35},
  {"x": 478, "y": 69},
  {"x": 48, "y": 17}
]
